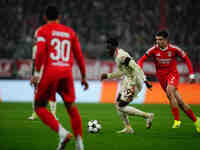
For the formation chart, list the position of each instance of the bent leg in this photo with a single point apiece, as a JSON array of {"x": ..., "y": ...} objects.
[
  {"x": 67, "y": 92},
  {"x": 126, "y": 110},
  {"x": 45, "y": 115},
  {"x": 75, "y": 119},
  {"x": 45, "y": 89},
  {"x": 76, "y": 124},
  {"x": 173, "y": 102},
  {"x": 185, "y": 107},
  {"x": 123, "y": 116},
  {"x": 52, "y": 104}
]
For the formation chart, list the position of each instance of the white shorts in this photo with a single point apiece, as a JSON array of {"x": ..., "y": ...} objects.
[{"x": 130, "y": 88}]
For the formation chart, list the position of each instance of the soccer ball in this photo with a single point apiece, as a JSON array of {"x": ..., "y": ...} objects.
[{"x": 94, "y": 126}]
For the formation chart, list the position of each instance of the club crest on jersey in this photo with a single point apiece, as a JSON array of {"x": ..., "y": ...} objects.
[{"x": 169, "y": 54}]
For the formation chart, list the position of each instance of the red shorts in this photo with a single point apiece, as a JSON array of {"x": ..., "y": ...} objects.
[
  {"x": 171, "y": 78},
  {"x": 52, "y": 83},
  {"x": 52, "y": 97}
]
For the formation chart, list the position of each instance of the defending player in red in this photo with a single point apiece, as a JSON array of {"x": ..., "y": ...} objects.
[
  {"x": 164, "y": 56},
  {"x": 57, "y": 45}
]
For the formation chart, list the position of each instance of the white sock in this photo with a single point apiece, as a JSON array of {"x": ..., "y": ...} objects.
[
  {"x": 124, "y": 118},
  {"x": 62, "y": 132},
  {"x": 133, "y": 111},
  {"x": 52, "y": 107},
  {"x": 33, "y": 105},
  {"x": 79, "y": 143},
  {"x": 34, "y": 115}
]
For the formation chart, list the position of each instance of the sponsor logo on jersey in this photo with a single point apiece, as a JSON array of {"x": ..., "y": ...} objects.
[{"x": 158, "y": 54}]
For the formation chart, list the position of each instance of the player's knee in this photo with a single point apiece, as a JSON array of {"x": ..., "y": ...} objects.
[
  {"x": 171, "y": 90},
  {"x": 118, "y": 97},
  {"x": 120, "y": 103},
  {"x": 68, "y": 99},
  {"x": 122, "y": 108},
  {"x": 183, "y": 104},
  {"x": 180, "y": 102},
  {"x": 116, "y": 105},
  {"x": 40, "y": 104},
  {"x": 69, "y": 105}
]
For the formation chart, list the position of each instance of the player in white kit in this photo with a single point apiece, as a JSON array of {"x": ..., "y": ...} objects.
[{"x": 131, "y": 84}]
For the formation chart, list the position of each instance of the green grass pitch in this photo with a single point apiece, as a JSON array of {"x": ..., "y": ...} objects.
[{"x": 18, "y": 133}]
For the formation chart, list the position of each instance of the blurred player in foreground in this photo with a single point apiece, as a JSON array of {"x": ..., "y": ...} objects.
[
  {"x": 57, "y": 45},
  {"x": 52, "y": 100},
  {"x": 131, "y": 85},
  {"x": 164, "y": 55},
  {"x": 52, "y": 106}
]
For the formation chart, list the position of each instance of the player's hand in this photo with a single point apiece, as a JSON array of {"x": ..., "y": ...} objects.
[
  {"x": 84, "y": 83},
  {"x": 148, "y": 85},
  {"x": 34, "y": 81},
  {"x": 192, "y": 78},
  {"x": 104, "y": 76}
]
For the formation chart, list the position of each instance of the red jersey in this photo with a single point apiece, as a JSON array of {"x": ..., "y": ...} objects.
[
  {"x": 57, "y": 44},
  {"x": 165, "y": 59}
]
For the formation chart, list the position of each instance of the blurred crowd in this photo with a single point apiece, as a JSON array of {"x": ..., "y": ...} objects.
[{"x": 134, "y": 21}]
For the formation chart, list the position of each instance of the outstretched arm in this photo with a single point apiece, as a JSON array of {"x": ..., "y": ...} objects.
[
  {"x": 191, "y": 72},
  {"x": 80, "y": 61},
  {"x": 141, "y": 60},
  {"x": 140, "y": 63},
  {"x": 116, "y": 74},
  {"x": 189, "y": 64},
  {"x": 183, "y": 55},
  {"x": 112, "y": 75}
]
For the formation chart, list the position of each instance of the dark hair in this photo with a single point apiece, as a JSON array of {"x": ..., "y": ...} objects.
[
  {"x": 51, "y": 12},
  {"x": 162, "y": 33},
  {"x": 113, "y": 41}
]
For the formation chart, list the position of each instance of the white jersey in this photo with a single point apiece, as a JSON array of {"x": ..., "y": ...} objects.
[
  {"x": 132, "y": 73},
  {"x": 34, "y": 51},
  {"x": 34, "y": 48}
]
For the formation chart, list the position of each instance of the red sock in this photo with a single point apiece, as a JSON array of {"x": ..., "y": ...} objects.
[
  {"x": 47, "y": 118},
  {"x": 191, "y": 115},
  {"x": 76, "y": 122},
  {"x": 175, "y": 113}
]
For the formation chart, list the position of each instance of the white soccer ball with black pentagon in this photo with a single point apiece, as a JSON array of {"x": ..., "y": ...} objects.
[{"x": 94, "y": 126}]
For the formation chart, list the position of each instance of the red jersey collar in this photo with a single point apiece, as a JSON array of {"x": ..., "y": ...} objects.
[{"x": 164, "y": 49}]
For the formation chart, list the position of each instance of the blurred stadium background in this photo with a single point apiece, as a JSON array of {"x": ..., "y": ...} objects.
[{"x": 135, "y": 21}]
